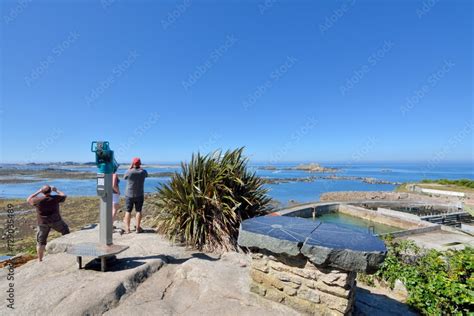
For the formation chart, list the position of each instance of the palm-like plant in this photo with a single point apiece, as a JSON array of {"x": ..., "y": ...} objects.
[{"x": 205, "y": 203}]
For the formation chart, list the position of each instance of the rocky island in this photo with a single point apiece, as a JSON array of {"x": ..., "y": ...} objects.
[
  {"x": 311, "y": 167},
  {"x": 314, "y": 167}
]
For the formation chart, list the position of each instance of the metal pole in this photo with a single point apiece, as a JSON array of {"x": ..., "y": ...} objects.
[{"x": 105, "y": 229}]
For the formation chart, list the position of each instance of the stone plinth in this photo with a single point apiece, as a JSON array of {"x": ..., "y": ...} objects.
[
  {"x": 296, "y": 282},
  {"x": 308, "y": 265}
]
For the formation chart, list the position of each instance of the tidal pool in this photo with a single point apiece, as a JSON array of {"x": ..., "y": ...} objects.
[{"x": 358, "y": 224}]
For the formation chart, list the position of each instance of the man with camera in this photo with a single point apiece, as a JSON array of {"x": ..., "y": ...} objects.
[
  {"x": 134, "y": 193},
  {"x": 47, "y": 211}
]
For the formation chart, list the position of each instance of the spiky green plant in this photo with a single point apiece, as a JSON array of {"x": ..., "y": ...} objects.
[{"x": 204, "y": 204}]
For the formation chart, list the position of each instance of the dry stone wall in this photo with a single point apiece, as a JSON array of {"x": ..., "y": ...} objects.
[{"x": 296, "y": 282}]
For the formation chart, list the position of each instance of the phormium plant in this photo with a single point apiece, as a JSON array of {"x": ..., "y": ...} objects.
[{"x": 204, "y": 204}]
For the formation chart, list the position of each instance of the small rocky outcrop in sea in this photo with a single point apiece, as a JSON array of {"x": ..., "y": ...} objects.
[{"x": 314, "y": 167}]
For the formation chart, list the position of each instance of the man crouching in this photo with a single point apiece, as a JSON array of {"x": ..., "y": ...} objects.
[{"x": 47, "y": 211}]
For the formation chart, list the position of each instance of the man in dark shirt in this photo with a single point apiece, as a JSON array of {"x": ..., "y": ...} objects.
[
  {"x": 134, "y": 193},
  {"x": 47, "y": 213}
]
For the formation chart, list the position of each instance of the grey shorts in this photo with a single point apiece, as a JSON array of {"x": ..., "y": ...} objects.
[
  {"x": 43, "y": 231},
  {"x": 134, "y": 201}
]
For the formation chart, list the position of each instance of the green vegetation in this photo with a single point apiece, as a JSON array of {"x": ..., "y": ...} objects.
[
  {"x": 465, "y": 183},
  {"x": 402, "y": 188},
  {"x": 76, "y": 211},
  {"x": 438, "y": 282},
  {"x": 204, "y": 204}
]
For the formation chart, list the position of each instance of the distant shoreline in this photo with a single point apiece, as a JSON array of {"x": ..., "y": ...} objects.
[
  {"x": 123, "y": 165},
  {"x": 16, "y": 176}
]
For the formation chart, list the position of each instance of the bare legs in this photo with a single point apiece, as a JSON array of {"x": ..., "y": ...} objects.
[
  {"x": 40, "y": 251},
  {"x": 138, "y": 218},
  {"x": 115, "y": 208},
  {"x": 126, "y": 221}
]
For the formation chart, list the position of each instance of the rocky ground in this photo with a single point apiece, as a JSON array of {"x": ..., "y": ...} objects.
[{"x": 153, "y": 277}]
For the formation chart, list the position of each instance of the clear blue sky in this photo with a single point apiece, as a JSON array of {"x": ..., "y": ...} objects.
[{"x": 290, "y": 80}]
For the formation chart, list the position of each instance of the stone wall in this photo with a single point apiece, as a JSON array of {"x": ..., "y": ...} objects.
[{"x": 296, "y": 282}]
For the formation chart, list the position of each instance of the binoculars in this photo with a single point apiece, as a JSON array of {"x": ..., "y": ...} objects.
[{"x": 104, "y": 157}]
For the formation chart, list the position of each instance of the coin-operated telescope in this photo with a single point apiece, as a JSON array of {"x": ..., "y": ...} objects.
[
  {"x": 105, "y": 250},
  {"x": 104, "y": 159}
]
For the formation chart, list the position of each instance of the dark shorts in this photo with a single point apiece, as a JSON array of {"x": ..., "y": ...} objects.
[
  {"x": 43, "y": 231},
  {"x": 131, "y": 201}
]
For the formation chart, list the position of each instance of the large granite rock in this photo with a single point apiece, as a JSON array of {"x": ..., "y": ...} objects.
[
  {"x": 152, "y": 277},
  {"x": 324, "y": 244}
]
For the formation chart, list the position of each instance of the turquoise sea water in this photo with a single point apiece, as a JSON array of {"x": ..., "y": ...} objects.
[{"x": 283, "y": 192}]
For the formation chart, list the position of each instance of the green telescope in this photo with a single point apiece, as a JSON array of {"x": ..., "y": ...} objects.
[{"x": 104, "y": 157}]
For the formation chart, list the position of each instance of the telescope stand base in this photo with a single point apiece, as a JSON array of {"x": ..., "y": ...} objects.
[{"x": 103, "y": 253}]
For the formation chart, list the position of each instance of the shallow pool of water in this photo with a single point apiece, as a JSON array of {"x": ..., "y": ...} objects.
[{"x": 357, "y": 223}]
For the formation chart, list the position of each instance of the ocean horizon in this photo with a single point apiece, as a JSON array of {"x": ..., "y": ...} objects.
[{"x": 293, "y": 190}]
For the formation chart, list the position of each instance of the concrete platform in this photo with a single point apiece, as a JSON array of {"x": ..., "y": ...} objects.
[{"x": 442, "y": 240}]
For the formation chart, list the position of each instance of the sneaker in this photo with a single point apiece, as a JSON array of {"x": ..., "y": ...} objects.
[{"x": 139, "y": 230}]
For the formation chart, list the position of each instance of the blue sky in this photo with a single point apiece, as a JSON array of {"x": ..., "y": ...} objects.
[{"x": 290, "y": 80}]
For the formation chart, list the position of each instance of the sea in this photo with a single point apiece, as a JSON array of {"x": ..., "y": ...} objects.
[{"x": 284, "y": 193}]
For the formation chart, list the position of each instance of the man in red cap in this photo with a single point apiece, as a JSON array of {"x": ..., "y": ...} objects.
[{"x": 134, "y": 193}]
